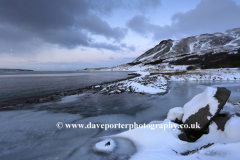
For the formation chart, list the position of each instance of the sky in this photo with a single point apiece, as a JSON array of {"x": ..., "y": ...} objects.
[{"x": 62, "y": 35}]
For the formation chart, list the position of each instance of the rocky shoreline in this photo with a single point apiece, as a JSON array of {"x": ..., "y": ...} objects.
[
  {"x": 13, "y": 70},
  {"x": 20, "y": 103},
  {"x": 139, "y": 82}
]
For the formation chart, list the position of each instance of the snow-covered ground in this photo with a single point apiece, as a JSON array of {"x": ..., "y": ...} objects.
[
  {"x": 165, "y": 145},
  {"x": 149, "y": 68},
  {"x": 144, "y": 84},
  {"x": 157, "y": 83},
  {"x": 154, "y": 142}
]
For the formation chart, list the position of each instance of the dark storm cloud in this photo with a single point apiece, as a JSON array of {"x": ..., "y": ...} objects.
[
  {"x": 208, "y": 16},
  {"x": 95, "y": 25},
  {"x": 141, "y": 25},
  {"x": 113, "y": 47},
  {"x": 107, "y": 6},
  {"x": 106, "y": 46},
  {"x": 144, "y": 5},
  {"x": 66, "y": 23}
]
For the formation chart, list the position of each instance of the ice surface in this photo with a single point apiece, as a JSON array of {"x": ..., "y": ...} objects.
[
  {"x": 234, "y": 87},
  {"x": 71, "y": 98},
  {"x": 228, "y": 109},
  {"x": 33, "y": 134}
]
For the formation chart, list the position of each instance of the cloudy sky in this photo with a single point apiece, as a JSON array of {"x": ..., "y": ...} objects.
[{"x": 75, "y": 34}]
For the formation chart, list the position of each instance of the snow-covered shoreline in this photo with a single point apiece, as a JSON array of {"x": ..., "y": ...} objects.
[
  {"x": 144, "y": 82},
  {"x": 165, "y": 143},
  {"x": 156, "y": 82}
]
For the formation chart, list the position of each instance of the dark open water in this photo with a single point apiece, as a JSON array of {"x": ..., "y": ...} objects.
[{"x": 15, "y": 85}]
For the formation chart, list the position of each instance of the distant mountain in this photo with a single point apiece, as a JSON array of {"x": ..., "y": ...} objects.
[
  {"x": 13, "y": 70},
  {"x": 221, "y": 49}
]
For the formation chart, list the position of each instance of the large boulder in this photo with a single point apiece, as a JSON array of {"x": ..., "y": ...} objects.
[{"x": 202, "y": 108}]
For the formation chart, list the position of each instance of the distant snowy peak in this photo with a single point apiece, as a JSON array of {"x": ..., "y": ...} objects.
[{"x": 171, "y": 50}]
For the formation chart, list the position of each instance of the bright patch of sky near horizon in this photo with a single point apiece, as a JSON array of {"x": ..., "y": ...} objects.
[{"x": 108, "y": 37}]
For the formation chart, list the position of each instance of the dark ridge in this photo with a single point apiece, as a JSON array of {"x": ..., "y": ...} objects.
[
  {"x": 171, "y": 73},
  {"x": 210, "y": 60},
  {"x": 191, "y": 68},
  {"x": 182, "y": 55},
  {"x": 155, "y": 62},
  {"x": 134, "y": 63}
]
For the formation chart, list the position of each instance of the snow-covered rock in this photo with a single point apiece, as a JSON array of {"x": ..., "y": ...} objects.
[
  {"x": 205, "y": 106},
  {"x": 175, "y": 113},
  {"x": 230, "y": 134},
  {"x": 160, "y": 139},
  {"x": 144, "y": 84},
  {"x": 105, "y": 146},
  {"x": 99, "y": 149}
]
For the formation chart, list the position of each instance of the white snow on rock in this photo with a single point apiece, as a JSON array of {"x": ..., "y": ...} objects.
[
  {"x": 153, "y": 144},
  {"x": 200, "y": 101},
  {"x": 232, "y": 129},
  {"x": 175, "y": 113},
  {"x": 157, "y": 83},
  {"x": 164, "y": 144},
  {"x": 231, "y": 133},
  {"x": 145, "y": 84},
  {"x": 104, "y": 146}
]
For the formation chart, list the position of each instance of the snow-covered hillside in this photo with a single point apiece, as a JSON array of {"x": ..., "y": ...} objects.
[
  {"x": 169, "y": 50},
  {"x": 205, "y": 51}
]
